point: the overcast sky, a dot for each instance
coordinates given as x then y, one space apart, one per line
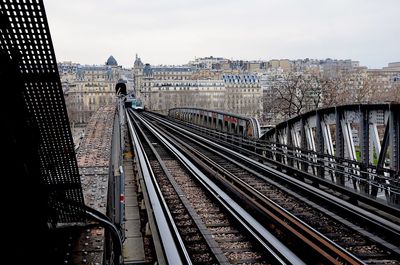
176 31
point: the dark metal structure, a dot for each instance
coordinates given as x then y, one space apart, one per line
26 45
39 164
47 203
352 145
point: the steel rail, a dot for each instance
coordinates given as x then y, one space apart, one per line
282 254
328 250
174 249
219 256
387 226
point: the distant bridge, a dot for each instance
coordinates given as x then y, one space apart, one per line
218 120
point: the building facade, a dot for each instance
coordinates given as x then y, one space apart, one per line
88 87
243 95
259 88
165 87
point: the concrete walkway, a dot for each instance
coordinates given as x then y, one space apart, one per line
133 250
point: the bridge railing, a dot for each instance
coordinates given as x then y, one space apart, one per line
371 180
359 142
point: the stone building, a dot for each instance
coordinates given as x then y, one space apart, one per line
392 67
165 87
283 64
214 63
384 84
87 87
243 95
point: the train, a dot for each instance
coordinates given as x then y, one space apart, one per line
134 103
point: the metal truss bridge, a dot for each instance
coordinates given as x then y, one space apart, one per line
354 146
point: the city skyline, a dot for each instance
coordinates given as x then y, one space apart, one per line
176 32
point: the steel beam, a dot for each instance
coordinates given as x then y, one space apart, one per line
289 143
319 145
385 143
303 143
339 142
296 145
376 144
363 133
328 145
394 121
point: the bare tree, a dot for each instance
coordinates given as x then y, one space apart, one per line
294 93
364 90
313 86
289 97
297 93
390 92
346 87
333 91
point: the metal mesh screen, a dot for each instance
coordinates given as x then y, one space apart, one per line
25 36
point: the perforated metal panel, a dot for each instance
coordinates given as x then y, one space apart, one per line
26 38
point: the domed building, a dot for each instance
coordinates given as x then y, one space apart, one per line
138 63
111 61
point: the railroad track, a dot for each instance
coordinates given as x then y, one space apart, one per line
211 228
354 238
